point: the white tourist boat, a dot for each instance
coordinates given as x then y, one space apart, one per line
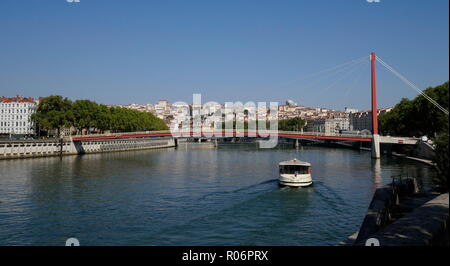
295 173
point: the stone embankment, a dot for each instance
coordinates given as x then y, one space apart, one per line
43 148
400 215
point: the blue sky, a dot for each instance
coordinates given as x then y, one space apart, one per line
140 51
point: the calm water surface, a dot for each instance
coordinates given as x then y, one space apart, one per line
188 196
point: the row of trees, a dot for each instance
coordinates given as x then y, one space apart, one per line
419 117
55 112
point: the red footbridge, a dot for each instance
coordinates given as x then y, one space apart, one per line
250 134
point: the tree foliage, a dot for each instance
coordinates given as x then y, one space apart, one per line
86 114
442 160
56 112
53 112
417 117
293 124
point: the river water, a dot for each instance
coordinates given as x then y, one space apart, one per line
191 196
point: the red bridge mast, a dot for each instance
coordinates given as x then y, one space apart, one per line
375 137
373 60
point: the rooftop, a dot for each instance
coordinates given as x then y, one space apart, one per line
295 162
16 99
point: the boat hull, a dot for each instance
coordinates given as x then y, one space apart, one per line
293 181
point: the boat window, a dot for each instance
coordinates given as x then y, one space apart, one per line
292 169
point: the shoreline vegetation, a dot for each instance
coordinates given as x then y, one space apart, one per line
55 112
419 117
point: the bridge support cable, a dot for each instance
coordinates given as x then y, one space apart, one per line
340 66
358 77
330 77
355 67
332 74
412 85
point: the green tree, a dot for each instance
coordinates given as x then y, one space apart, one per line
86 114
53 112
417 117
293 124
126 120
103 117
442 161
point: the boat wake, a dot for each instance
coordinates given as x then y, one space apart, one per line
247 188
330 196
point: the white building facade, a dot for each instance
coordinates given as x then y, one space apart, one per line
328 126
363 120
15 115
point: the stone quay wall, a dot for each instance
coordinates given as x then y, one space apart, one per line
43 148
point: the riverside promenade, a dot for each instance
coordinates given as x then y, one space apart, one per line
400 215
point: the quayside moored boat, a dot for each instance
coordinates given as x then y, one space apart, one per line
295 173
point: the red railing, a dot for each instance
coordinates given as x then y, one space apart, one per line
222 134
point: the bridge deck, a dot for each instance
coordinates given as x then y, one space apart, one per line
222 134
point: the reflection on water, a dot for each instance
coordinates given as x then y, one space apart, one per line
376 170
225 196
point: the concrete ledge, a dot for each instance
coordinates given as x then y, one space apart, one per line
52 148
425 226
382 207
425 161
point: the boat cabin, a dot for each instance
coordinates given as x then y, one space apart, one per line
295 167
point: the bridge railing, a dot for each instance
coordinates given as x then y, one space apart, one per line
321 134
118 134
223 133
